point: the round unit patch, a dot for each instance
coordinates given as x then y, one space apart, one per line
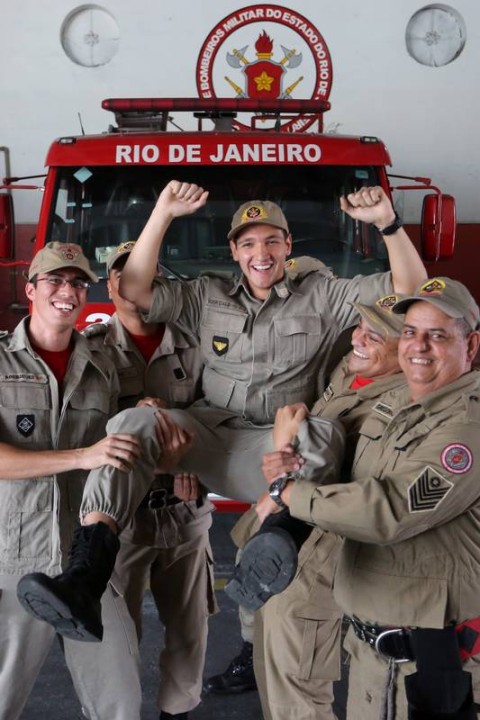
457 458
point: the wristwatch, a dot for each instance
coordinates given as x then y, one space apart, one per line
278 486
393 227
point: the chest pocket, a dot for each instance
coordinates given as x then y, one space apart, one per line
87 416
223 335
25 413
25 396
297 339
372 430
131 383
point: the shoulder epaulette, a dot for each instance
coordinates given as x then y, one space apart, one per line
95 329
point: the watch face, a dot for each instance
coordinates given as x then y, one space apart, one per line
275 490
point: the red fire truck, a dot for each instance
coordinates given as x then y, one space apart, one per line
100 189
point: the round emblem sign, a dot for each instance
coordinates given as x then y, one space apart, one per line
265 51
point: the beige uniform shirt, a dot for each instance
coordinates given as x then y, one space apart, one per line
38 515
259 356
174 375
351 407
411 516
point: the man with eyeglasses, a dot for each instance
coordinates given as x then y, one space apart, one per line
56 396
166 545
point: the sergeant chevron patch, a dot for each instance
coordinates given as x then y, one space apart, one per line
428 490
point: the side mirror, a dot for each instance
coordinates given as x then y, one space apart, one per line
6 226
438 227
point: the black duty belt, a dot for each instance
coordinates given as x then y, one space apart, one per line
395 642
158 499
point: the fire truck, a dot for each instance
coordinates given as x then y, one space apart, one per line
100 189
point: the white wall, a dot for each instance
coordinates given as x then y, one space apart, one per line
428 117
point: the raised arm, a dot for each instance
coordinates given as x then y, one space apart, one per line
372 205
176 199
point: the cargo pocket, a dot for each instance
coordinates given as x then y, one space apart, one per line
321 652
29 533
116 617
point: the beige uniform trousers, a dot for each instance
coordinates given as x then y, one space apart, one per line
295 668
181 581
227 459
112 695
367 679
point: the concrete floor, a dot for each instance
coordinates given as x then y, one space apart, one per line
53 697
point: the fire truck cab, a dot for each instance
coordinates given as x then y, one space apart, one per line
99 190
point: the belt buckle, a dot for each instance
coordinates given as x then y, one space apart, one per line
157 499
383 635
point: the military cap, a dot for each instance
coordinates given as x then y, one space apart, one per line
450 296
118 252
381 317
258 212
58 255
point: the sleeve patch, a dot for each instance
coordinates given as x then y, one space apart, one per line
428 490
457 458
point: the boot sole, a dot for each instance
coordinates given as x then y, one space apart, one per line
43 602
268 565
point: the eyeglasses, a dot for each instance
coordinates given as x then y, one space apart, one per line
58 281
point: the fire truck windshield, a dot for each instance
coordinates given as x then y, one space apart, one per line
100 207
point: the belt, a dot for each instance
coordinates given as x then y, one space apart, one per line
395 642
159 499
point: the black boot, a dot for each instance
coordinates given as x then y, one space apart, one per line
168 716
269 560
70 602
237 678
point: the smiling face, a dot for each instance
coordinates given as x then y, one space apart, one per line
374 355
434 349
261 251
55 307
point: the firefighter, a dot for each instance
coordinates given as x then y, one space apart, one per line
408 574
297 660
56 397
239 675
264 342
166 545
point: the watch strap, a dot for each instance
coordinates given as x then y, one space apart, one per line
393 227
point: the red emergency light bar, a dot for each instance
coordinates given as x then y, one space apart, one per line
225 105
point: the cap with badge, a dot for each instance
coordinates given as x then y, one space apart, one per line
450 296
56 255
118 252
381 317
258 212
